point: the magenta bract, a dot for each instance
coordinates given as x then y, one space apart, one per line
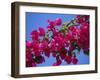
60 42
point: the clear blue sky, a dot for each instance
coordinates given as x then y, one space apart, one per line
36 20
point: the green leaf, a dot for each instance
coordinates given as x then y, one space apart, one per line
46 36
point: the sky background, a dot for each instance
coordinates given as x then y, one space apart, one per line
36 20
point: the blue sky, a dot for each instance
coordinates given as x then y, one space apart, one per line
36 20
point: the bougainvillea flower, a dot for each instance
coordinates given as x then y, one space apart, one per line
29 60
60 42
35 35
34 65
47 52
28 44
55 32
54 54
63 52
51 23
28 56
68 59
74 60
82 19
52 45
58 21
83 41
49 28
41 31
63 56
43 45
57 63
36 49
74 31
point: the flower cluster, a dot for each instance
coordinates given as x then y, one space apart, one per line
59 40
